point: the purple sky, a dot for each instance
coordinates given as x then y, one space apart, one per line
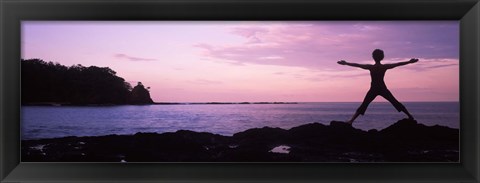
238 61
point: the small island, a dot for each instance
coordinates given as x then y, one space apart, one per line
48 83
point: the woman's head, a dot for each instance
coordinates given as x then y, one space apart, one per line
377 55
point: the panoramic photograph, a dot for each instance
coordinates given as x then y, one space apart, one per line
240 91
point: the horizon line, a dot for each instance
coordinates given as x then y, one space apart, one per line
297 102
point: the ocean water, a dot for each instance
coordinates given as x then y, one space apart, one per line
49 121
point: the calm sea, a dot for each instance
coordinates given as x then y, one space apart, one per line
49 121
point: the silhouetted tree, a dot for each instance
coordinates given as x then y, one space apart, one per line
51 82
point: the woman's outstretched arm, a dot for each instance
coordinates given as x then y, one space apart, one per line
391 66
363 66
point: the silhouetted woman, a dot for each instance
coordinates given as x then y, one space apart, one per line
378 87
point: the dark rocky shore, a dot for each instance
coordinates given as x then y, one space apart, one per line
404 141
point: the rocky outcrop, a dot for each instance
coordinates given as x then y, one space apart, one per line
140 95
404 141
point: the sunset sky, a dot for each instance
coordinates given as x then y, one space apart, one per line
237 61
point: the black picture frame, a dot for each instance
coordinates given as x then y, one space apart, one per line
12 12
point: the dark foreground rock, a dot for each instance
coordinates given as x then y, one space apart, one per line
404 141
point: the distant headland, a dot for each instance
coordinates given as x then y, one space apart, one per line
219 103
52 84
48 83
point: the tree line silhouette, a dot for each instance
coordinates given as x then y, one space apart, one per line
48 82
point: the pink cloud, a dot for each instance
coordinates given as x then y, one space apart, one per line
132 58
320 45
